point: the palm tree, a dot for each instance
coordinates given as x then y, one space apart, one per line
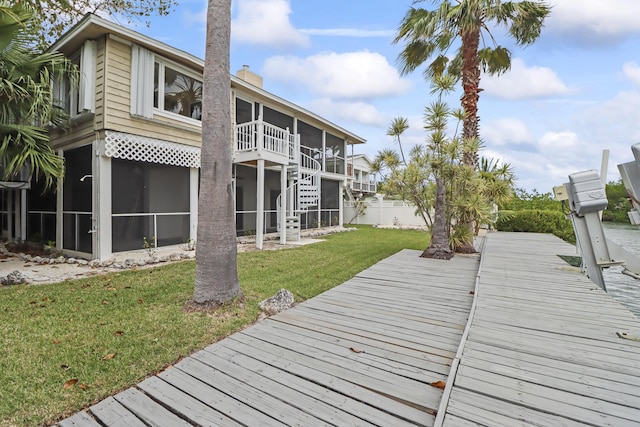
428 32
26 98
398 126
216 257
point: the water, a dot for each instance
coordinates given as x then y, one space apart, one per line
625 289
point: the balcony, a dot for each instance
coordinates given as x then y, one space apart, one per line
363 187
258 140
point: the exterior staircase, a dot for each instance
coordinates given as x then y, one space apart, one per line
303 194
257 140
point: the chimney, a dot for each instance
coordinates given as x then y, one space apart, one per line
249 76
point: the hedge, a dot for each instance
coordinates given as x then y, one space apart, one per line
537 221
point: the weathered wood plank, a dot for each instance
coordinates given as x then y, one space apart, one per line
400 388
149 411
246 393
338 384
80 419
372 348
320 402
545 370
112 414
490 411
177 390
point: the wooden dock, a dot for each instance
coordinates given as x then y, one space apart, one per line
363 353
520 338
542 348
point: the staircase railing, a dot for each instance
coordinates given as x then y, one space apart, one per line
305 191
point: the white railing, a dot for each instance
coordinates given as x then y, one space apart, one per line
364 187
305 191
259 135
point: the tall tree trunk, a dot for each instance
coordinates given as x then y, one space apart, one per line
470 97
439 246
471 89
216 257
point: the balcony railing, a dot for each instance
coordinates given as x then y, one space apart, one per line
261 136
363 187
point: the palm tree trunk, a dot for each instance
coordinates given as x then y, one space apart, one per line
471 89
439 246
216 257
470 97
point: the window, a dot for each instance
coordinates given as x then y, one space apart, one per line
177 92
76 98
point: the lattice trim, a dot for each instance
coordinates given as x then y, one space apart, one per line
133 147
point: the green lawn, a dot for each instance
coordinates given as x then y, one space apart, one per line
110 332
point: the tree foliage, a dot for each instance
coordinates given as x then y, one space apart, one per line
431 35
54 17
618 205
447 193
26 97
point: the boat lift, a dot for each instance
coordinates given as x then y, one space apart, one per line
586 196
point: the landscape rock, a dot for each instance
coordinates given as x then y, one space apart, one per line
277 303
14 278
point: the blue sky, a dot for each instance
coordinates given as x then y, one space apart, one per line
570 95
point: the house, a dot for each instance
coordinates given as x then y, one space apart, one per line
133 153
361 181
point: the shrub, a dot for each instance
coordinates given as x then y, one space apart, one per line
537 221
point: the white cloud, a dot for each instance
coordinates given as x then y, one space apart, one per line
353 75
631 70
524 82
359 112
266 22
595 20
507 131
347 32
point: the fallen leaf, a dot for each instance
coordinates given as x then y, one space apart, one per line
45 299
109 356
83 387
439 384
65 367
105 302
55 341
70 383
356 350
118 333
111 289
140 301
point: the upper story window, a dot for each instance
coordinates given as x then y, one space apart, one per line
79 97
177 91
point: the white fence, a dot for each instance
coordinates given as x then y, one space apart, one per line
385 212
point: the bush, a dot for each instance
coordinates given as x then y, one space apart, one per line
537 221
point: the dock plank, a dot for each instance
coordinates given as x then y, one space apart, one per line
110 412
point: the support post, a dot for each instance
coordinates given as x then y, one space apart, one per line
260 205
23 215
283 204
10 211
102 185
59 210
193 202
341 205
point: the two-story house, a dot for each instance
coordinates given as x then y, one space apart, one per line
133 152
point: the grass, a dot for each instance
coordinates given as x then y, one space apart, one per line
112 331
